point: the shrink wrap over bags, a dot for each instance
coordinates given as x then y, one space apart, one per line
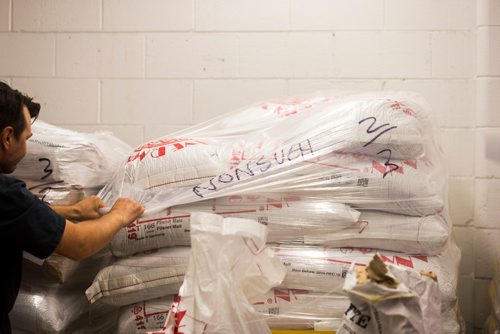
373 151
149 315
47 309
288 218
342 170
61 158
284 309
325 269
292 220
312 268
374 229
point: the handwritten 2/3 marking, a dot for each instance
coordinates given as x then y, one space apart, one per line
370 130
258 166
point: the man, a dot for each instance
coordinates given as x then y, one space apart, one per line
27 224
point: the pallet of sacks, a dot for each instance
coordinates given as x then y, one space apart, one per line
62 167
314 280
358 172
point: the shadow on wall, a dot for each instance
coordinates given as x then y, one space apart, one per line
492 147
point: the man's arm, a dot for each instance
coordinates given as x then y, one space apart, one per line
86 209
88 237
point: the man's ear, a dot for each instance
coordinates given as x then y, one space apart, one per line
6 137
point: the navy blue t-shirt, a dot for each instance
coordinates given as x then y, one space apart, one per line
26 224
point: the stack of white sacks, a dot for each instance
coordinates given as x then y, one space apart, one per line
335 177
62 167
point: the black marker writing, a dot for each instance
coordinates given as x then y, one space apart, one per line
260 166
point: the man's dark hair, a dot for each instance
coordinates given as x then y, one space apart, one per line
11 109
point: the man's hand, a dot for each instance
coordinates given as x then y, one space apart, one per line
89 236
88 208
127 210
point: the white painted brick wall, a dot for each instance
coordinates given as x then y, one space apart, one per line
143 102
100 55
485 243
63 99
429 14
150 15
192 55
466 299
487 199
488 102
487 152
488 48
27 54
71 15
460 204
452 54
481 303
4 15
242 15
337 15
465 237
383 54
286 55
458 146
488 13
146 68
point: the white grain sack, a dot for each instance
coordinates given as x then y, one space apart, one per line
324 269
140 277
414 235
60 156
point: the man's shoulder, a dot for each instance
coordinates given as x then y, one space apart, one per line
10 181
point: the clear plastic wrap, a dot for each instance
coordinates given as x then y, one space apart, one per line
62 158
288 218
317 155
373 151
311 268
342 170
283 309
47 309
324 269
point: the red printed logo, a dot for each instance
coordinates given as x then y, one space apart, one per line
403 261
159 148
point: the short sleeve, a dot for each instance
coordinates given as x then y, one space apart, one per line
26 221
